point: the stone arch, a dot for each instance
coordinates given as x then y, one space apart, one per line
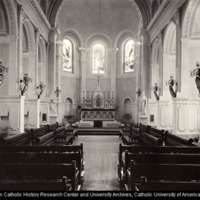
42 47
154 7
124 35
188 18
30 35
169 38
12 16
98 37
73 35
127 108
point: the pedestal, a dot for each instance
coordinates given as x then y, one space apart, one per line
165 114
32 113
12 115
53 119
143 119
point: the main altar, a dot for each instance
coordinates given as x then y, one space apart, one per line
98 107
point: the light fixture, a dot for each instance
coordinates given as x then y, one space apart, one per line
3 69
173 86
24 83
138 92
156 91
57 92
40 89
196 72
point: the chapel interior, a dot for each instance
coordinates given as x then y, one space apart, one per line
101 75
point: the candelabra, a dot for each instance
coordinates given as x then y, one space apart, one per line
3 69
139 92
24 83
57 92
40 88
172 83
156 90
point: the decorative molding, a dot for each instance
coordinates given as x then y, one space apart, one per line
159 14
168 37
37 9
155 51
30 34
42 49
11 17
137 10
188 17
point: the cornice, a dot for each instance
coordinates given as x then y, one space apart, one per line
35 6
161 12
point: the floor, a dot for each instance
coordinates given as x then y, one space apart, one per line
101 156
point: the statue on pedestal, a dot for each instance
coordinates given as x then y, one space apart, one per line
196 72
143 104
52 105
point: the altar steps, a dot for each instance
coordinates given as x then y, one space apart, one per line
98 131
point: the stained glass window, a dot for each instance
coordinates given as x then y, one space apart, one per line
129 58
98 59
67 55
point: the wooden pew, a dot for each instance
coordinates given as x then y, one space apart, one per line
35 148
35 185
135 136
174 140
52 127
151 140
45 139
18 139
166 172
65 135
153 149
38 157
146 185
155 158
38 132
39 171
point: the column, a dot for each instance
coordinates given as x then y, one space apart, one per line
21 16
58 79
178 48
52 61
145 63
113 72
83 72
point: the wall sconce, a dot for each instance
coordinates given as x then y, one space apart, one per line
41 89
57 92
156 91
24 83
3 69
172 83
196 72
139 92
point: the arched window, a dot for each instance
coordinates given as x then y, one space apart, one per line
129 58
67 56
98 59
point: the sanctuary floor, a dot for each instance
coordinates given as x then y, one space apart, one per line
101 156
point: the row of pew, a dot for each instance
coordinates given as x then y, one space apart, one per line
150 136
159 168
41 168
45 135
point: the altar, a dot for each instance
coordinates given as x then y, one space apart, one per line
98 108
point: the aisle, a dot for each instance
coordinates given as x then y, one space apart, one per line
100 155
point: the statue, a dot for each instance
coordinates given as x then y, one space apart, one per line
52 106
172 82
196 72
143 104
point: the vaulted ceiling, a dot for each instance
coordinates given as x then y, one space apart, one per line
147 8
